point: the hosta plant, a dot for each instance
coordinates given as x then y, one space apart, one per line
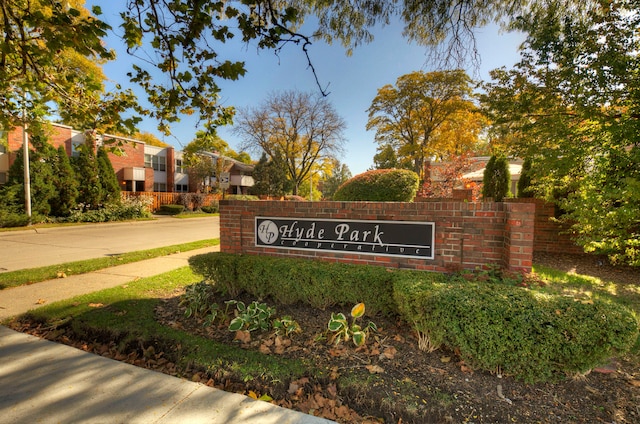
343 331
254 316
286 326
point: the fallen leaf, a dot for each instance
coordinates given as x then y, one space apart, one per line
243 336
264 349
445 359
336 352
375 369
96 305
265 398
390 352
293 387
61 274
465 368
332 390
40 301
635 383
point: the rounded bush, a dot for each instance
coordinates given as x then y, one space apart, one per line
171 209
533 336
381 185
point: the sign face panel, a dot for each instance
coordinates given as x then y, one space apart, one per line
383 238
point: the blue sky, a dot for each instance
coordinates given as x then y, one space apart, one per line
352 81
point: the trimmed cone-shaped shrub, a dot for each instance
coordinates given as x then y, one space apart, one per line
380 185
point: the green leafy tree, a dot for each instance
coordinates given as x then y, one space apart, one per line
66 184
270 177
50 59
385 158
108 179
41 162
339 175
302 128
416 116
572 104
496 178
199 160
525 189
86 168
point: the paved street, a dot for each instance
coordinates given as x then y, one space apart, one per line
48 246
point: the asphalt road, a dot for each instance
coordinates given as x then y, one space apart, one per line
49 246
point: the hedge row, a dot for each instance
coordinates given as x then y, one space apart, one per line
320 284
494 327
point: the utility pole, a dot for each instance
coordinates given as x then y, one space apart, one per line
27 178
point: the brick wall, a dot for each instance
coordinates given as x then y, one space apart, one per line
58 135
550 236
467 235
131 155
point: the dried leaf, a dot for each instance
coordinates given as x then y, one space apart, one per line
445 359
390 352
243 336
465 368
96 305
375 369
40 301
264 349
293 387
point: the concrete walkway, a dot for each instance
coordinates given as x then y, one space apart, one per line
46 382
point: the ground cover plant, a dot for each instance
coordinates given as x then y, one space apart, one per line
387 379
35 275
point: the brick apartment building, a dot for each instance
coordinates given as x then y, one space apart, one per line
138 166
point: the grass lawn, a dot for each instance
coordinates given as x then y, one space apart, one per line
126 313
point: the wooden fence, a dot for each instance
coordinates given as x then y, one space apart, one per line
160 198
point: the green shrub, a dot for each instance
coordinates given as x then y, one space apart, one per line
218 267
133 208
496 180
209 209
171 209
13 219
520 332
381 185
291 280
495 327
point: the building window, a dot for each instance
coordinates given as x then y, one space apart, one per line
158 163
182 188
162 187
3 178
179 166
3 148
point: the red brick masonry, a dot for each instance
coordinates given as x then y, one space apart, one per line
467 235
